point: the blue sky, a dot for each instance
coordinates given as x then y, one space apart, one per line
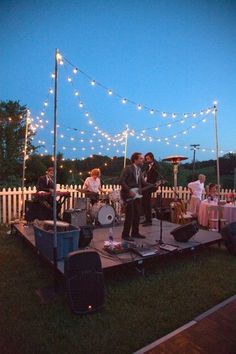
172 56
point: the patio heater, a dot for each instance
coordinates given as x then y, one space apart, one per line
175 160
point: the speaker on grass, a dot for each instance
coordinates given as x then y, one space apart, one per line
84 281
185 232
86 235
228 234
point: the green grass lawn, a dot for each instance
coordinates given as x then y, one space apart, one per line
137 310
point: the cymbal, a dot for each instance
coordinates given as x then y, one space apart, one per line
82 190
175 159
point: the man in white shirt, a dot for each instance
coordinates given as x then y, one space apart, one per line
196 190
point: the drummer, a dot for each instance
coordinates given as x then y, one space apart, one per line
92 185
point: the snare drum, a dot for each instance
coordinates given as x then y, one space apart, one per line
103 213
114 196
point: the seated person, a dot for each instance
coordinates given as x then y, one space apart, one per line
45 183
212 191
92 185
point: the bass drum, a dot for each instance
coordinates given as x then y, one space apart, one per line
103 213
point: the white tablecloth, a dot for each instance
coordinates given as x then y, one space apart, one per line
229 212
203 213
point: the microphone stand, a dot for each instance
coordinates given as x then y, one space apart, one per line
160 241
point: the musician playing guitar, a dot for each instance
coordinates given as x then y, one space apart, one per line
131 177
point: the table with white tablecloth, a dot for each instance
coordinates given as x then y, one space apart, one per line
229 212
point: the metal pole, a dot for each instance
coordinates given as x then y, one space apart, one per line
175 172
126 144
217 147
195 147
57 56
24 163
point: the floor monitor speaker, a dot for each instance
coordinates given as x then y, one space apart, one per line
185 232
84 281
229 237
86 235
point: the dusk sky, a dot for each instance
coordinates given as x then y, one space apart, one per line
171 57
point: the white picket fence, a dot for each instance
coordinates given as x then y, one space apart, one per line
11 200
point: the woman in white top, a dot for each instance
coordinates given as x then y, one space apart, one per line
196 190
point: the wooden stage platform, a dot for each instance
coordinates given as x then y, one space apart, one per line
152 233
212 332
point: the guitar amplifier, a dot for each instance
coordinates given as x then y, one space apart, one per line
34 210
75 217
81 203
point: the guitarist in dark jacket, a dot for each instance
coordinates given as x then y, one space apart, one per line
151 175
131 177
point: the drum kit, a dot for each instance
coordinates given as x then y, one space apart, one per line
104 211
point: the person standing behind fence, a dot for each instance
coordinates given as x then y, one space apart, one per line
196 190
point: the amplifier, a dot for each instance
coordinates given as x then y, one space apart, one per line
35 210
75 217
81 203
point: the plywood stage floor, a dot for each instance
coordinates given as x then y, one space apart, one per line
152 234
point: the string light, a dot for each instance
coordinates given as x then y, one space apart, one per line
93 82
139 106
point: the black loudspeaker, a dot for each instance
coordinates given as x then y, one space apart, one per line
86 235
34 210
185 232
228 234
84 281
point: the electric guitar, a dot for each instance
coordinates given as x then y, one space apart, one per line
136 190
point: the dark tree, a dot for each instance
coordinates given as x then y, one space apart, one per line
12 136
